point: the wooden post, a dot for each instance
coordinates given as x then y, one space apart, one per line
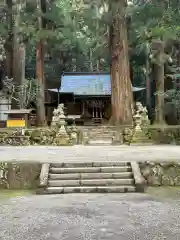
26 120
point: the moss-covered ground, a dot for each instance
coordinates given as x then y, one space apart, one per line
6 194
164 192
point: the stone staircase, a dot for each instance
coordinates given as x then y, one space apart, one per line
99 134
106 177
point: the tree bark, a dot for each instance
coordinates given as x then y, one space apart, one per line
41 118
22 63
19 54
91 60
121 93
159 81
19 64
148 88
9 41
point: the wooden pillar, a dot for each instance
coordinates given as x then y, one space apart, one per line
83 108
26 120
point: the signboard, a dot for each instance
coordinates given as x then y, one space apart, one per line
15 123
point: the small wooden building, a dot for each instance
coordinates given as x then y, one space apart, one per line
86 95
19 118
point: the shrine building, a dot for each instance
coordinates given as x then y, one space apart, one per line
86 96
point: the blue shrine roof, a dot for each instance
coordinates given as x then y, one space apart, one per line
87 84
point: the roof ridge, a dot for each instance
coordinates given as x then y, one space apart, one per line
84 73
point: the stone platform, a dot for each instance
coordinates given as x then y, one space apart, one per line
80 153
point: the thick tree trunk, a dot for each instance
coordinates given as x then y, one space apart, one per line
148 88
22 63
19 64
159 97
121 96
18 54
41 117
159 80
9 41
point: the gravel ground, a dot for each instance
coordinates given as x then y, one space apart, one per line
90 153
90 217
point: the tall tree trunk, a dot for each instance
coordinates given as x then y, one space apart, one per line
19 64
148 87
121 96
9 41
18 54
22 63
159 80
41 118
97 65
91 60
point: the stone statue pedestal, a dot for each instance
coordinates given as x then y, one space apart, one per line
139 136
61 140
62 137
74 134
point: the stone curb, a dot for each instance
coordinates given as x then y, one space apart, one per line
138 178
44 175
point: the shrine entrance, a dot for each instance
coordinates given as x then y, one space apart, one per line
95 110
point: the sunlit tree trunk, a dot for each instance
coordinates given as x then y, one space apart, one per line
121 96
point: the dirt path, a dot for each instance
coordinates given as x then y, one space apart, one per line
90 153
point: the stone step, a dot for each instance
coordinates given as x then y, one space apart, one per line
71 176
90 182
101 138
90 164
101 134
91 169
100 142
90 189
98 133
99 127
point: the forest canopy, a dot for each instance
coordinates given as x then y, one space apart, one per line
137 41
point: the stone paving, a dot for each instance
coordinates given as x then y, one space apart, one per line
89 217
81 153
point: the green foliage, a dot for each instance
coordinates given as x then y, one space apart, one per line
172 96
153 20
27 93
76 35
23 94
164 135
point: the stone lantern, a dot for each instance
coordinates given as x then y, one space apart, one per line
59 121
137 122
62 122
139 137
